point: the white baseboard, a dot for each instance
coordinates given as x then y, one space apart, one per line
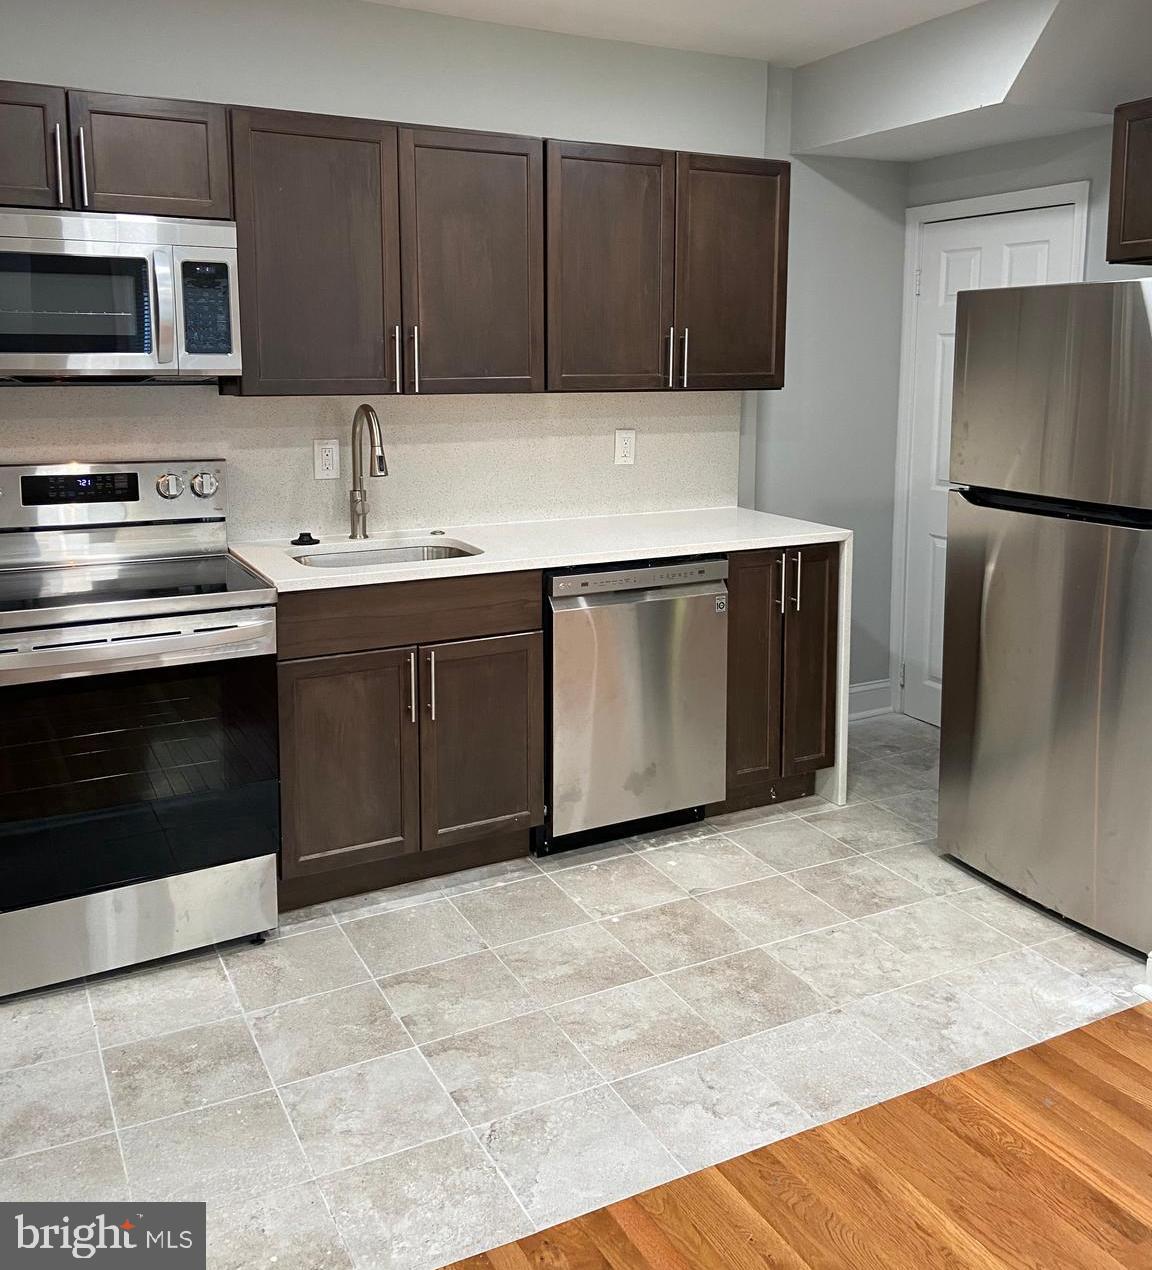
865 700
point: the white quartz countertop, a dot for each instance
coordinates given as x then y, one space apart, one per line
539 544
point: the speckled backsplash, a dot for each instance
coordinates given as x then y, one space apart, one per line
452 460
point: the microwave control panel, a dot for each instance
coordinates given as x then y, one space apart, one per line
207 321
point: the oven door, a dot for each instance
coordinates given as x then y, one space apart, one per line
74 307
112 783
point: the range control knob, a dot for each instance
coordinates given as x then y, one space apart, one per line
205 484
170 485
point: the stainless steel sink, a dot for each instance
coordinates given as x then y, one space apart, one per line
401 553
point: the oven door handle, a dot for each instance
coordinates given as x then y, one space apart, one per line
71 658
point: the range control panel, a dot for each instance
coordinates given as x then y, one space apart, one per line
639 577
73 495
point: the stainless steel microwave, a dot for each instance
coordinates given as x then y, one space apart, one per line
87 294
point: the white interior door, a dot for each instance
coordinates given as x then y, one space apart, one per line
1007 249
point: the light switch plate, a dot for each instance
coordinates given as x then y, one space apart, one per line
326 460
625 446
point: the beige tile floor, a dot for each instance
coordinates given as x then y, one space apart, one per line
404 1078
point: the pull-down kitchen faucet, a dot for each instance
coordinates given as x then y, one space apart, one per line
357 496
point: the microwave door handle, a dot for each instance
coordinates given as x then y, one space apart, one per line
165 308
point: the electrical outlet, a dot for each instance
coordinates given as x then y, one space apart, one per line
326 460
625 446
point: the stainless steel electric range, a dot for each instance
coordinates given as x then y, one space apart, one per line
139 790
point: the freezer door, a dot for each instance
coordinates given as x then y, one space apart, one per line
639 704
1053 392
1046 732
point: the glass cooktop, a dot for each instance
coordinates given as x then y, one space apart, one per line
127 589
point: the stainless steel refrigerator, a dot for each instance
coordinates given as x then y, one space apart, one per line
1046 727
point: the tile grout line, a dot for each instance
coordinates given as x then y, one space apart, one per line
311 1171
404 1028
456 1106
88 1137
354 915
108 1094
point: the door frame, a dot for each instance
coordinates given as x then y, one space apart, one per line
1074 193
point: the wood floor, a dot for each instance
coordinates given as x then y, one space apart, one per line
1042 1159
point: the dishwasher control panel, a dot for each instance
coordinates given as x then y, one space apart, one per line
639 577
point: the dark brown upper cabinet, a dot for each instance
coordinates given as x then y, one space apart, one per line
481 738
34 169
1130 196
349 760
782 649
472 250
150 155
317 226
611 266
731 271
811 615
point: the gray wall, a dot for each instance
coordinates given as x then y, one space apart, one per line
826 445
1077 156
350 57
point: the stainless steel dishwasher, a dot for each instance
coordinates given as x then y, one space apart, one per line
639 692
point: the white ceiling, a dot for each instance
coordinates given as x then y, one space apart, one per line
785 32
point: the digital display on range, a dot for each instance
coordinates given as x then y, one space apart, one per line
98 487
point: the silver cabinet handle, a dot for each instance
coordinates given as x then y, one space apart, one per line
416 364
412 686
671 357
799 575
83 171
432 682
59 166
399 361
783 580
684 368
165 307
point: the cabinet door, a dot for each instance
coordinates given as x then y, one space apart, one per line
34 146
1130 197
755 644
318 234
150 155
349 760
611 266
481 738
731 271
811 613
472 243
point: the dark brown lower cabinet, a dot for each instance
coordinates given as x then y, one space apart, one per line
755 648
811 614
349 760
782 646
481 738
384 753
